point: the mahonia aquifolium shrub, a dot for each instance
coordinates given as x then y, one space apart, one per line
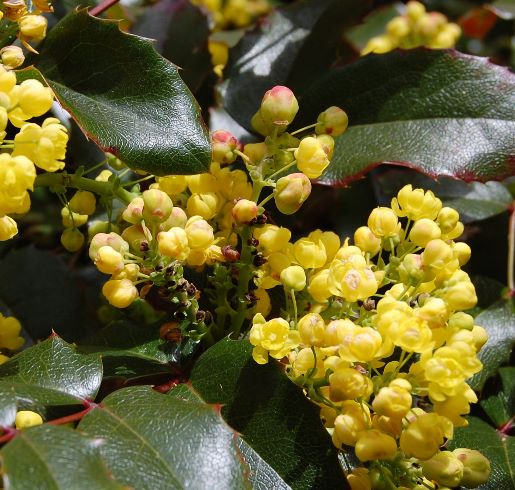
414 29
373 331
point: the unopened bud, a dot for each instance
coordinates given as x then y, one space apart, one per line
312 329
444 468
279 106
72 239
83 202
332 121
26 418
255 151
311 157
134 236
291 192
157 206
12 56
244 211
293 277
223 144
476 468
120 293
33 27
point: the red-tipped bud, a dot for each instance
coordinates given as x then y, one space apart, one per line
223 144
279 106
157 206
333 121
244 211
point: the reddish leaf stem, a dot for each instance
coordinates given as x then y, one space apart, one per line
506 428
74 416
102 7
511 252
9 433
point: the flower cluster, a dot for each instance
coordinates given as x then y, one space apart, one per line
10 339
32 27
375 333
33 146
234 13
415 28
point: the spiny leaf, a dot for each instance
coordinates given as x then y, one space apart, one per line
133 103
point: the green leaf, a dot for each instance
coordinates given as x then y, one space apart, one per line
505 9
54 458
8 31
7 408
439 111
474 201
262 475
292 46
498 320
272 414
50 374
500 404
497 447
181 32
154 441
133 103
42 293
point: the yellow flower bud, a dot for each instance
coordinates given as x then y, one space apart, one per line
480 336
107 239
201 183
447 219
359 480
108 260
348 384
129 271
476 468
33 98
291 192
332 121
398 27
311 157
383 222
392 401
104 176
351 283
177 218
312 329
72 220
83 202
199 232
416 204
437 254
244 211
462 252
26 418
415 10
366 240
12 56
7 81
33 27
223 144
172 184
204 205
318 286
10 329
72 239
174 243
293 277
461 320
272 238
263 304
309 254
327 143
373 444
278 107
347 426
255 151
379 45
458 292
133 213
8 228
120 293
444 468
157 206
424 230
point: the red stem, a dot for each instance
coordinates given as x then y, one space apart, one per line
102 7
9 434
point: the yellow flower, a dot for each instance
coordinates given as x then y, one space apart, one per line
120 292
309 254
10 329
272 238
416 204
17 174
351 279
383 223
348 384
108 260
174 243
392 401
205 205
200 233
354 419
45 145
373 444
311 157
8 228
312 329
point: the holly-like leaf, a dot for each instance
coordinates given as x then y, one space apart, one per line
439 111
262 475
474 201
498 320
499 402
55 458
499 448
181 31
292 46
133 103
42 293
272 414
154 441
50 374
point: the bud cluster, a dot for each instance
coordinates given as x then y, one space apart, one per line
415 28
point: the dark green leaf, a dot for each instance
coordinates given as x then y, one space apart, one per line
262 475
42 293
272 414
55 458
474 201
292 46
51 373
7 408
8 31
133 103
181 32
497 447
500 405
439 111
153 441
498 320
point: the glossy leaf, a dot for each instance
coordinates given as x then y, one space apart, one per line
50 374
419 108
498 320
499 402
151 440
8 31
292 46
55 458
496 446
42 293
133 104
181 32
7 408
474 201
262 476
272 414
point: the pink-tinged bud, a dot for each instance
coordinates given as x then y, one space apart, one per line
133 213
223 144
157 206
244 211
279 106
135 236
332 121
291 192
